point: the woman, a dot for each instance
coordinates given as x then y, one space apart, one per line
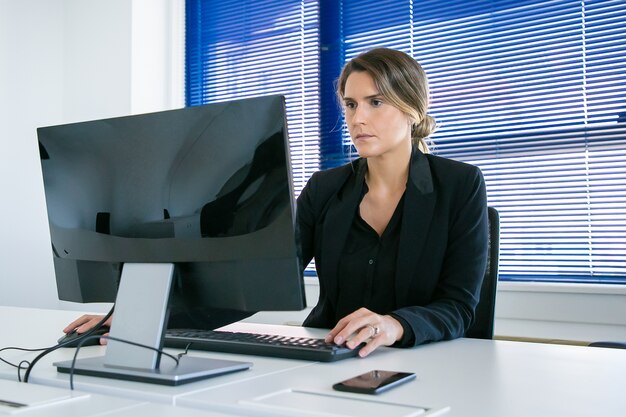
399 236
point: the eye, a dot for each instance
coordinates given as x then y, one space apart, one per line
350 105
376 102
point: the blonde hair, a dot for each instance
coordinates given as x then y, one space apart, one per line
401 80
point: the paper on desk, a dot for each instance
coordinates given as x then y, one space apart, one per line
16 397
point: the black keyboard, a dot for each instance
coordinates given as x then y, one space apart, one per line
303 348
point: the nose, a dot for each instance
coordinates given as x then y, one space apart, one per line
359 116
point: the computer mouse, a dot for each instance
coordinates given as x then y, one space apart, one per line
73 338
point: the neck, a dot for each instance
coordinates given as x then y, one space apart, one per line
388 173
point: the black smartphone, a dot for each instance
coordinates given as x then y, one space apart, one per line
374 382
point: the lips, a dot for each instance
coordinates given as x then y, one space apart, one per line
362 136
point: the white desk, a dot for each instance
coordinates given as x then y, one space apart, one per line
480 378
46 401
34 328
474 377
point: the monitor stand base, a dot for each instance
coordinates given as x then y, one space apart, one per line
136 337
189 369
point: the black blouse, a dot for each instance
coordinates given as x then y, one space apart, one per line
367 268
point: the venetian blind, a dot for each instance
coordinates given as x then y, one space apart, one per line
533 93
243 48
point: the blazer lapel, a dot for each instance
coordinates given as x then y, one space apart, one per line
419 203
336 226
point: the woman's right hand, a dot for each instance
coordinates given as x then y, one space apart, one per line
85 323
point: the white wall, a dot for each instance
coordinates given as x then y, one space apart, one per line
583 312
96 59
63 61
31 88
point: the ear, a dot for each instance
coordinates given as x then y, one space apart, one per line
413 121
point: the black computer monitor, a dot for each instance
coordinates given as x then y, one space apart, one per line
204 189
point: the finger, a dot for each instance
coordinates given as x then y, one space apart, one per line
89 325
358 329
341 333
371 346
332 335
390 330
73 325
104 340
361 336
333 332
341 324
77 323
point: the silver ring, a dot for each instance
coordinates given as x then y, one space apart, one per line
375 330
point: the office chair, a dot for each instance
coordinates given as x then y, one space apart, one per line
482 326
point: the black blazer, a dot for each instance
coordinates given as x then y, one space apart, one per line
443 242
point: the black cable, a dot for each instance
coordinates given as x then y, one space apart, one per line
80 344
8 363
19 370
88 333
20 349
19 366
180 355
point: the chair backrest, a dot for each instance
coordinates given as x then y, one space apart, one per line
482 326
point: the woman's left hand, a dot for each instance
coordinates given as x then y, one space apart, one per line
366 326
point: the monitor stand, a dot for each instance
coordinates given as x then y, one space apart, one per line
140 317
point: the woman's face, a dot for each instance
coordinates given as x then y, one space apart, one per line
376 127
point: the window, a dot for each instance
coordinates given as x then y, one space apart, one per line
242 48
533 92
